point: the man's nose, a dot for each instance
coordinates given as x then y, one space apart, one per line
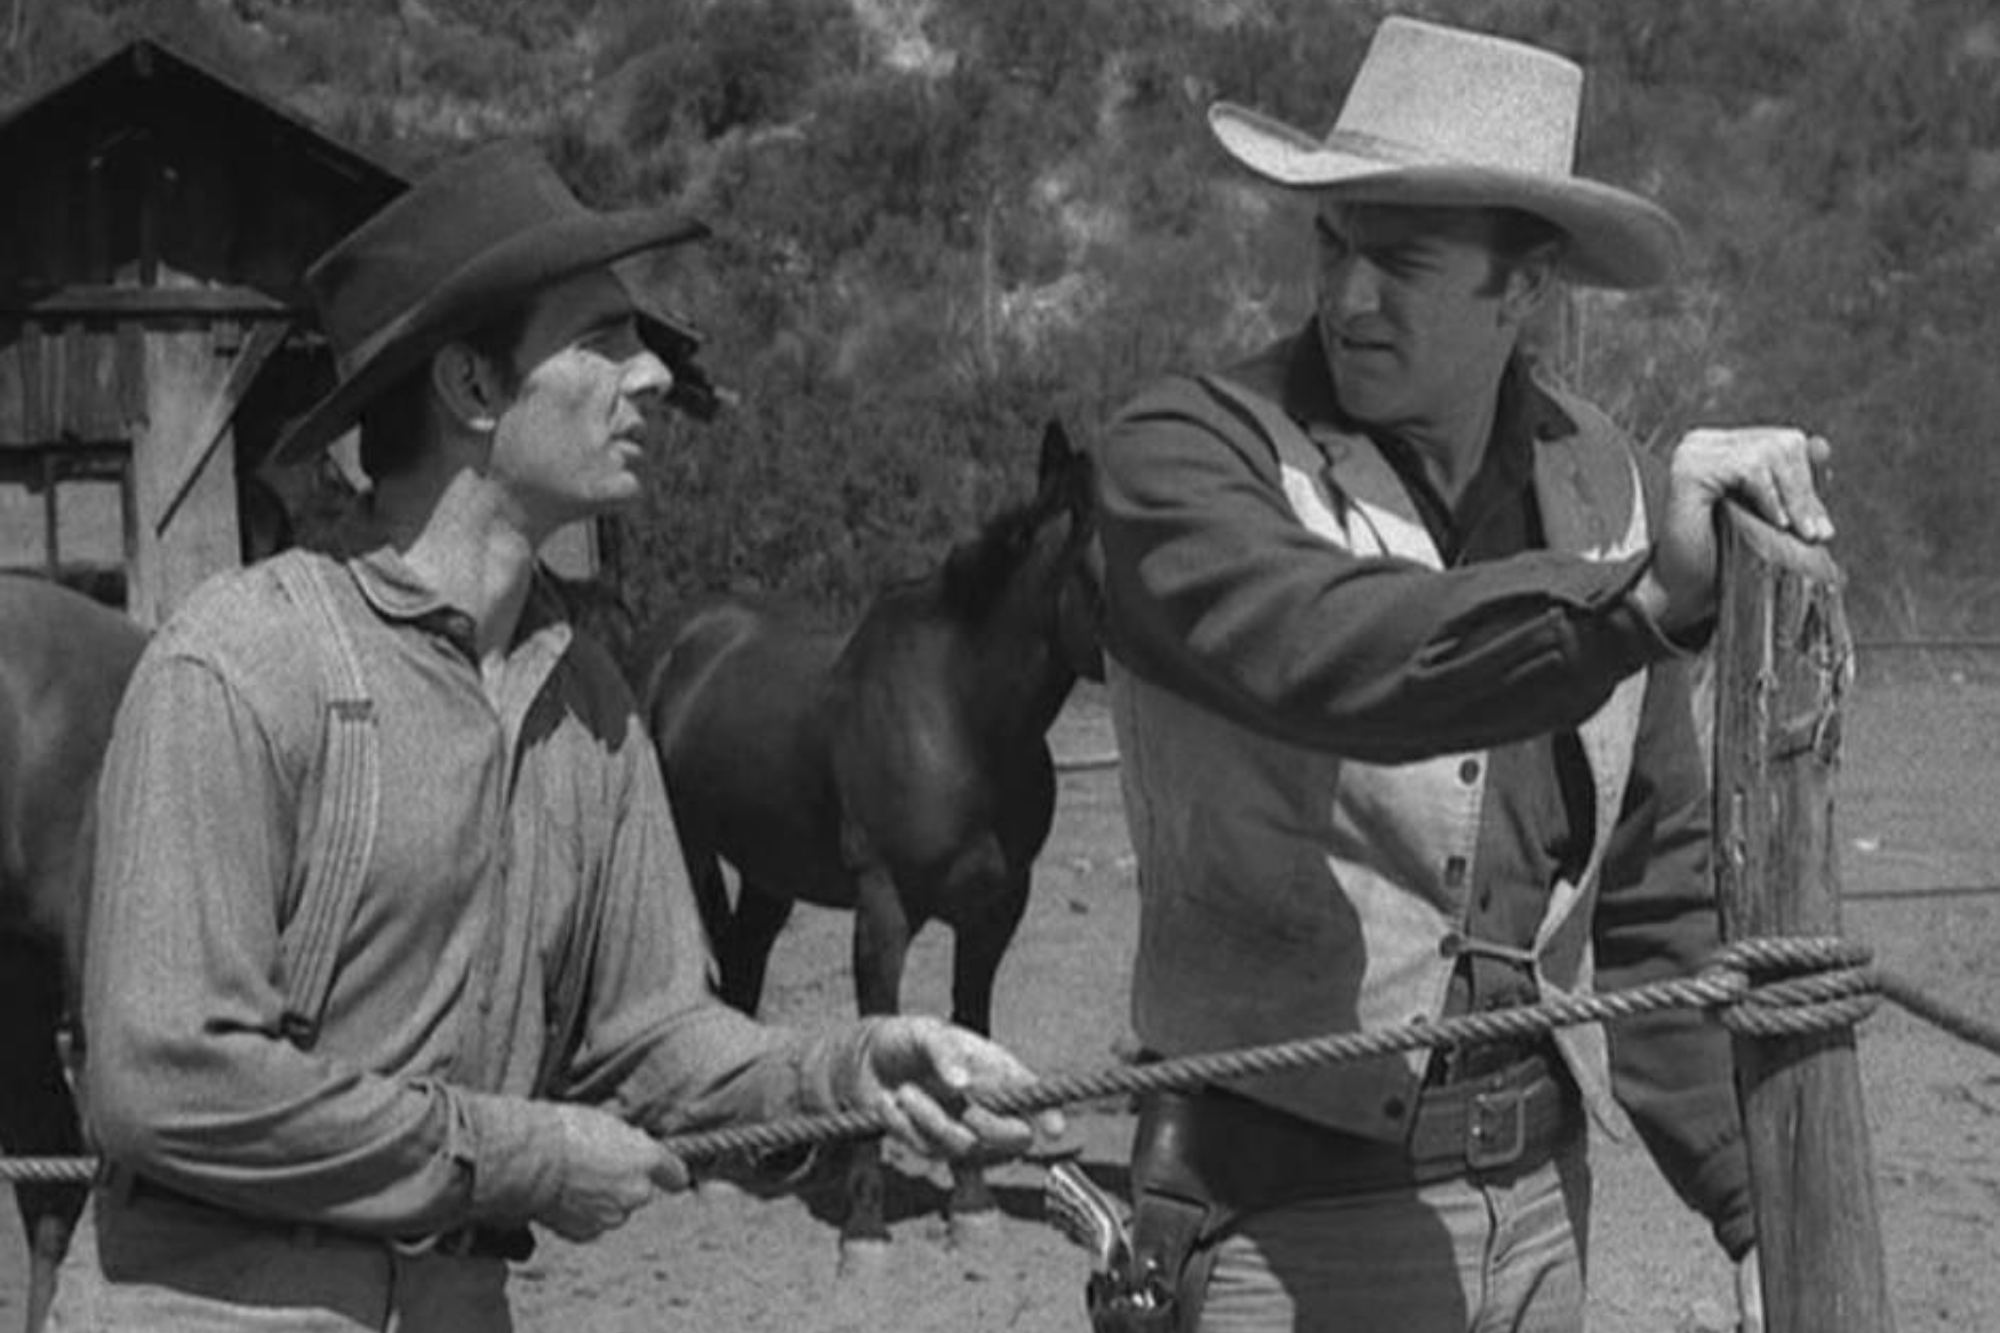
648 381
1353 288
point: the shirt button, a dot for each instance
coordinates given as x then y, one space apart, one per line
1394 1108
1454 871
1468 772
1451 945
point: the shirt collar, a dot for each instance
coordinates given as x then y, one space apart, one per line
398 593
1294 371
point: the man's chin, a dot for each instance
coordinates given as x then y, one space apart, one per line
1364 405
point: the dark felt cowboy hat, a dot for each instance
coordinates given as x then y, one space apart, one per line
1444 117
459 247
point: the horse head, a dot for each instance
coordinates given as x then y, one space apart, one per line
1067 479
1023 587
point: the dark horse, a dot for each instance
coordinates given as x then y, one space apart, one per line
901 771
64 662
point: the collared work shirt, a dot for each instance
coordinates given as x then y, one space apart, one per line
507 801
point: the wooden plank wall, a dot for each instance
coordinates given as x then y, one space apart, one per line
69 378
185 376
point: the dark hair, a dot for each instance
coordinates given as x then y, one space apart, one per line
396 425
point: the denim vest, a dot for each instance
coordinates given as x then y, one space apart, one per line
1287 892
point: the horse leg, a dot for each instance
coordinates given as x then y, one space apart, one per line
37 1114
753 930
977 948
881 943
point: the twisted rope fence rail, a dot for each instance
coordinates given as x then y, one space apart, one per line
1772 987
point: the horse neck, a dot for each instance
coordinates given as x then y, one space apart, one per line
1018 681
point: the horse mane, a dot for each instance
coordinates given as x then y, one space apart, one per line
976 570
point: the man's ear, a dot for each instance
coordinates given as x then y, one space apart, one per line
1530 280
469 387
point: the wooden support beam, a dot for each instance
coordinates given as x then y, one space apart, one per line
112 302
215 419
1783 660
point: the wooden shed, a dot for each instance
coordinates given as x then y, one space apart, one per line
155 224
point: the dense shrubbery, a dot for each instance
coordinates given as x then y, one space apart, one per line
937 233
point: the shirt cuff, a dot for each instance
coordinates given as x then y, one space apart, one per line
1723 1186
514 1148
1617 630
1689 642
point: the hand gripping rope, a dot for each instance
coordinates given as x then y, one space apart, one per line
1774 987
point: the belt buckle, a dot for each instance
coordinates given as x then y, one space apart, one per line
1496 1129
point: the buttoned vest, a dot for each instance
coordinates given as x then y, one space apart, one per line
1288 892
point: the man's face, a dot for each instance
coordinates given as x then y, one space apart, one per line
566 443
1416 325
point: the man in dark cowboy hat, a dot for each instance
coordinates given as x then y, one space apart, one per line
1399 677
391 954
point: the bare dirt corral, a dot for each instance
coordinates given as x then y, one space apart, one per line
1913 814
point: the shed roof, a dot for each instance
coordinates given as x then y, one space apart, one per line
148 162
134 83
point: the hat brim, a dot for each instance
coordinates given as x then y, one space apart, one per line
507 273
1617 238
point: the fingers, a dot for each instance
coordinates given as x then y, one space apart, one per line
669 1174
1773 468
610 1171
579 1220
1787 492
931 1076
959 1132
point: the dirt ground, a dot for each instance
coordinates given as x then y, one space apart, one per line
1913 816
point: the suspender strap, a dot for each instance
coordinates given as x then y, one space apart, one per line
344 833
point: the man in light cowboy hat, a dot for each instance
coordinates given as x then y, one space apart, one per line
391 954
1399 679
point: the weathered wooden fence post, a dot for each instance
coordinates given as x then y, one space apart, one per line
1782 661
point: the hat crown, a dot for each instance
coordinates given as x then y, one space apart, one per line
1438 94
449 219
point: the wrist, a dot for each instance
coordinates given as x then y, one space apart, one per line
1649 598
1678 612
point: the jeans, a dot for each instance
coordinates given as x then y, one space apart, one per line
161 1267
1460 1256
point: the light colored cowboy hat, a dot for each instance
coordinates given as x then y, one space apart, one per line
1443 117
462 245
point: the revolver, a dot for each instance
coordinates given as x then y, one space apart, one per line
1121 1295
